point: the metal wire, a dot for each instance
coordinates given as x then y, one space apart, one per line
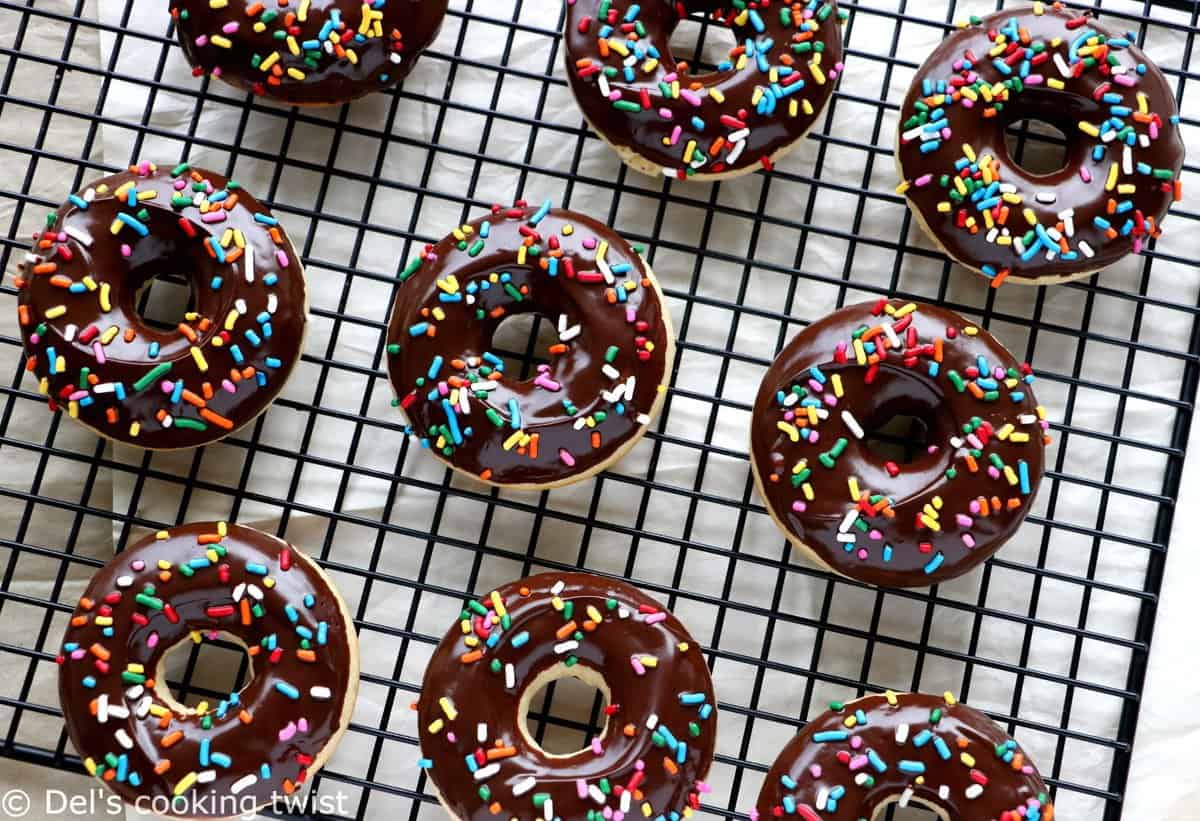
752 710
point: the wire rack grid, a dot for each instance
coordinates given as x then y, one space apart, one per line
1051 637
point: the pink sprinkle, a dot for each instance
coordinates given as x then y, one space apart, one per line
630 315
180 184
665 113
152 640
581 787
98 352
1034 80
228 386
589 243
876 535
863 554
78 654
137 564
676 133
815 770
76 396
856 741
282 259
34 338
974 506
214 216
230 28
202 40
1124 80
566 457
923 180
287 732
637 665
1085 174
670 78
126 251
614 95
597 747
451 737
964 520
993 472
655 618
303 725
813 436
167 386
799 506
969 541
691 96
858 762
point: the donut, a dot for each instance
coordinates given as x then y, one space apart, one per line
230 756
861 513
302 52
663 118
93 353
861 757
1051 64
582 410
659 732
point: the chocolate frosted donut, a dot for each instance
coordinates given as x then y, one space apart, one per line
97 357
962 492
1047 63
222 759
304 52
660 722
608 371
663 118
861 757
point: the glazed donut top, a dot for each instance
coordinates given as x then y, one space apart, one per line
96 356
194 582
864 515
608 368
660 724
307 52
1125 150
910 748
763 97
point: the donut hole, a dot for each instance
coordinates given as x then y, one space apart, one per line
164 300
190 672
916 810
1037 146
523 341
562 710
902 438
702 44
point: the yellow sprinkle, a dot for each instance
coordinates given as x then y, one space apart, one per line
221 41
1089 129
297 74
201 362
967 759
60 364
891 698
968 152
852 483
950 698
860 352
716 94
271 60
789 429
809 493
594 614
511 442
436 725
73 409
1010 474
302 15
222 529
448 708
837 385
56 311
185 783
1113 171
105 297
498 603
135 429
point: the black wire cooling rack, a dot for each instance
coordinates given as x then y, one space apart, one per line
1051 637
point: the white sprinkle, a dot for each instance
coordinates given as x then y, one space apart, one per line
102 708
123 739
847 538
565 646
1127 161
548 809
239 591
124 581
557 588
510 676
206 777
861 779
906 797
321 693
943 792
652 721
484 773
248 265
69 332
1047 197
135 692
255 592
79 235
1087 249
143 707
626 801
524 786
611 372
570 333
272 303
852 423
822 799
902 734
240 305
242 783
848 520
738 148
643 419
481 733
974 791
116 711
738 136
1063 68
597 795
606 272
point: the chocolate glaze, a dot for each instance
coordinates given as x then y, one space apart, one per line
957 748
145 632
1081 100
615 623
901 383
565 283
386 45
772 126
220 392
